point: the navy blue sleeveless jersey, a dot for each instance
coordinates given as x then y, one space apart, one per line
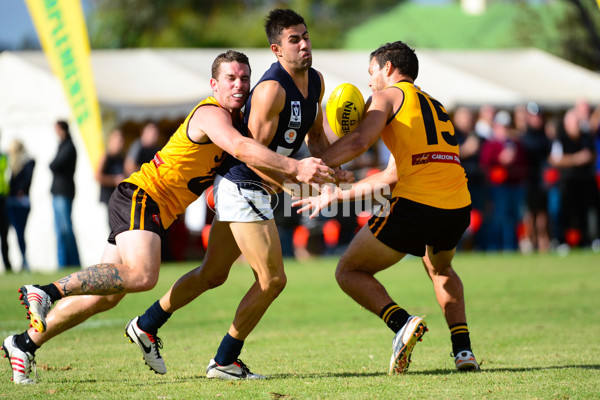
295 120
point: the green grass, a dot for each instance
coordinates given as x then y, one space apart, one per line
534 321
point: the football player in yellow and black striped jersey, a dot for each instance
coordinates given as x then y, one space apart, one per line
144 205
429 210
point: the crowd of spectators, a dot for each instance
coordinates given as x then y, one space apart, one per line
534 178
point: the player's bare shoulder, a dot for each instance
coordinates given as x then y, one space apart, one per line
390 98
203 119
270 95
322 85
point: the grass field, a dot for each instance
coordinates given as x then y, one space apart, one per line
534 321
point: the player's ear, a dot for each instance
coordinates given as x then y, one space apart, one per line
213 84
389 68
276 49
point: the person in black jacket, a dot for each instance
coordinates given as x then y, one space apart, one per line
143 149
63 193
110 171
537 148
579 193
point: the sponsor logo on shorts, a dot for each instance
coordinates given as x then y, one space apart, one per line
156 219
435 156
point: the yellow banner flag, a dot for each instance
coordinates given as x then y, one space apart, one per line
61 28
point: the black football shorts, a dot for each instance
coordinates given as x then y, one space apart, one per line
131 208
407 226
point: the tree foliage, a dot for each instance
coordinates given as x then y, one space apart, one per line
567 28
570 29
225 23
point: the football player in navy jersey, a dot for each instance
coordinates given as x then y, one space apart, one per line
284 109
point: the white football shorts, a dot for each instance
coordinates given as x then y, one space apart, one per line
235 204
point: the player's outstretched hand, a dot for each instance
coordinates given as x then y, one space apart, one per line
329 194
343 176
314 171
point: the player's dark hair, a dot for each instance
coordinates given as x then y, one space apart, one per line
278 20
400 55
228 56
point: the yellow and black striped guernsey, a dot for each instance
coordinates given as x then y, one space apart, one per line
180 171
427 163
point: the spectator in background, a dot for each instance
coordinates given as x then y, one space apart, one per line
520 117
110 171
595 121
551 178
469 148
537 149
143 149
583 111
579 192
63 193
3 215
595 124
17 202
485 120
503 161
286 224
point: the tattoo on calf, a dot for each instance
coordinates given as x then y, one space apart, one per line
62 283
101 279
98 279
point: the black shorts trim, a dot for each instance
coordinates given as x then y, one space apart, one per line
376 223
253 206
408 227
131 208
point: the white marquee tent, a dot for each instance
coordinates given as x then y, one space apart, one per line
154 84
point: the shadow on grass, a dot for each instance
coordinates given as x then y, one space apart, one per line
319 375
517 369
428 372
325 375
183 379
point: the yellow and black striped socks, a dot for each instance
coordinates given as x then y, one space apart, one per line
394 316
459 335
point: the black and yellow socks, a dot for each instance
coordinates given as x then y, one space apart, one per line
394 316
459 334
